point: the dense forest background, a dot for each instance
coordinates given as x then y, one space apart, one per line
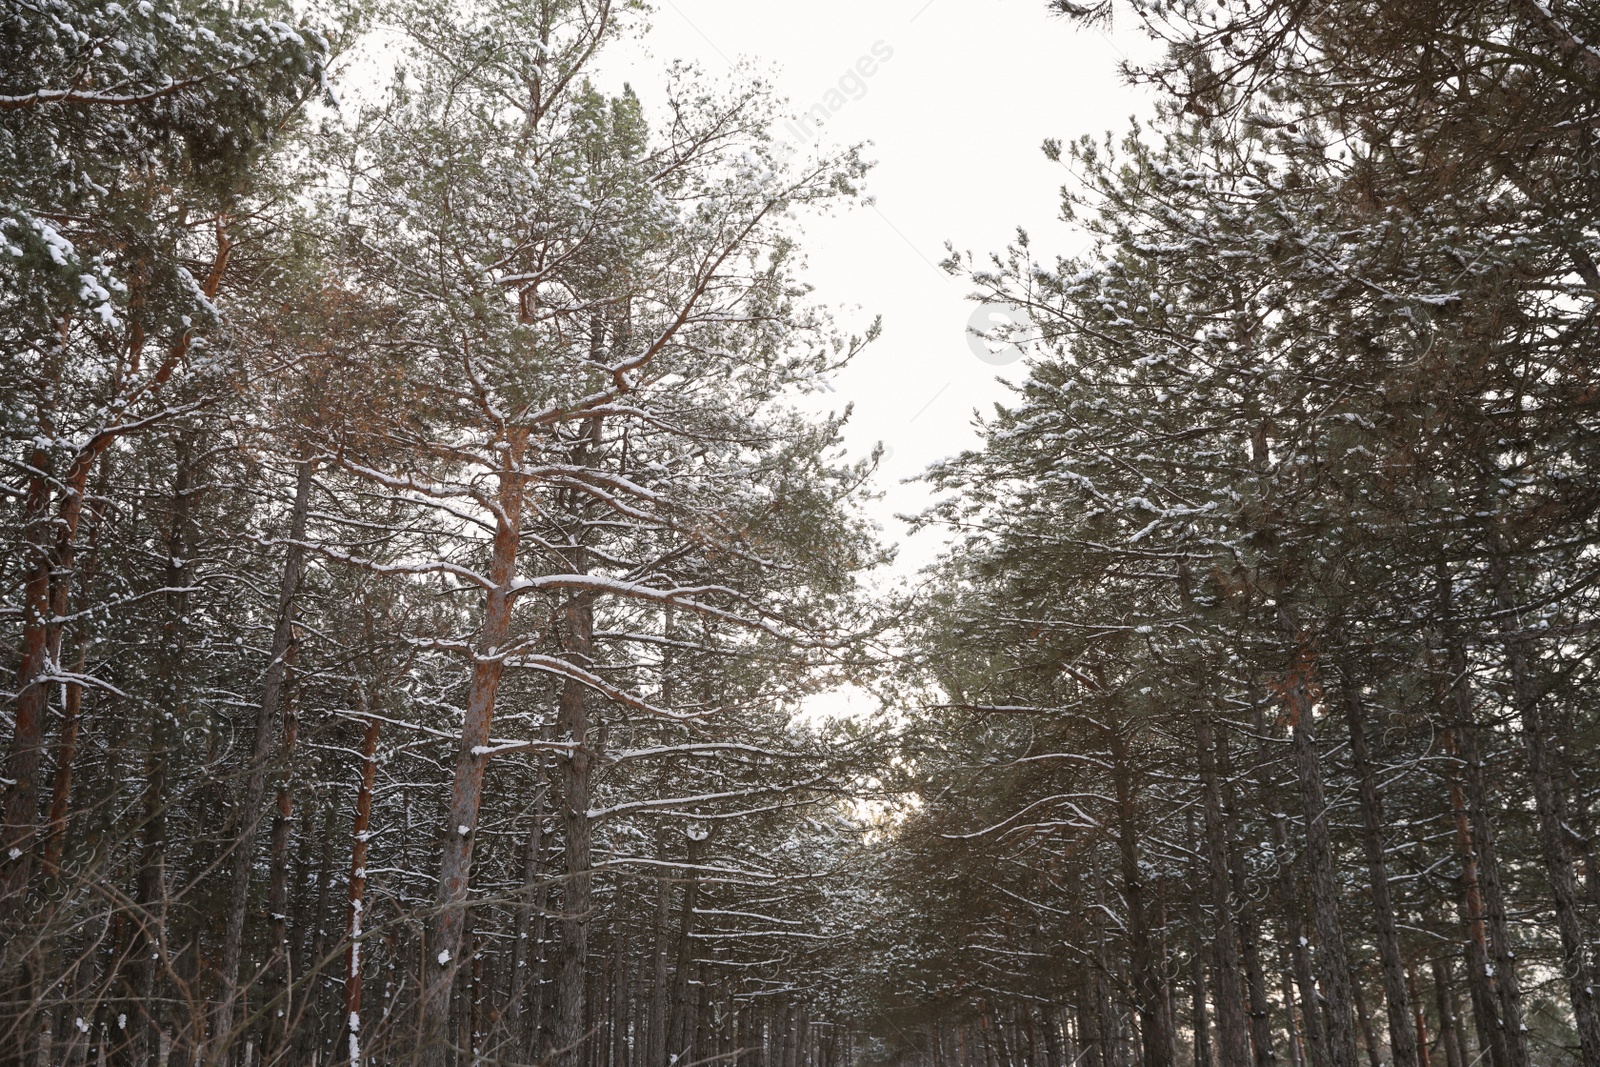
417 556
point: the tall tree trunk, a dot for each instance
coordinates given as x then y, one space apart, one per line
1364 1017
1417 1016
278 905
1480 983
1450 1037
147 952
27 736
1248 921
1233 1034
534 1031
66 755
524 948
1147 981
1402 1042
1507 1035
466 791
679 1035
44 962
354 926
250 809
1550 804
1507 979
320 929
1199 1020
1297 1051
572 725
47 588
657 1048
1052 1035
1314 1033
620 1013
1333 964
1094 1014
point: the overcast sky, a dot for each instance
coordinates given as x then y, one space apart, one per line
954 116
954 119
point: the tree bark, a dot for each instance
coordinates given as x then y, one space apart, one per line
47 589
250 810
1550 804
1249 923
1333 965
66 755
443 951
679 1037
1500 1015
572 726
1233 1034
1314 1034
1418 1018
354 928
1199 1021
1402 1041
1364 1017
523 950
27 736
1480 983
278 879
1297 1053
656 1051
147 945
1147 982
1455 1052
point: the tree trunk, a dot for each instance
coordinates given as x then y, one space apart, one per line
1450 1037
656 1051
1147 982
1093 998
1248 920
1199 1023
47 589
250 810
1402 1042
1550 803
524 949
278 883
66 755
1297 1052
443 951
1314 1034
619 1013
1480 984
1364 1017
152 889
1507 980
1421 1021
358 888
1501 1016
679 1035
27 736
572 726
1333 964
1052 1035
1233 1034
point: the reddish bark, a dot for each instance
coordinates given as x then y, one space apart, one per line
47 590
444 943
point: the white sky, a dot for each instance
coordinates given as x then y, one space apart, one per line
954 119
